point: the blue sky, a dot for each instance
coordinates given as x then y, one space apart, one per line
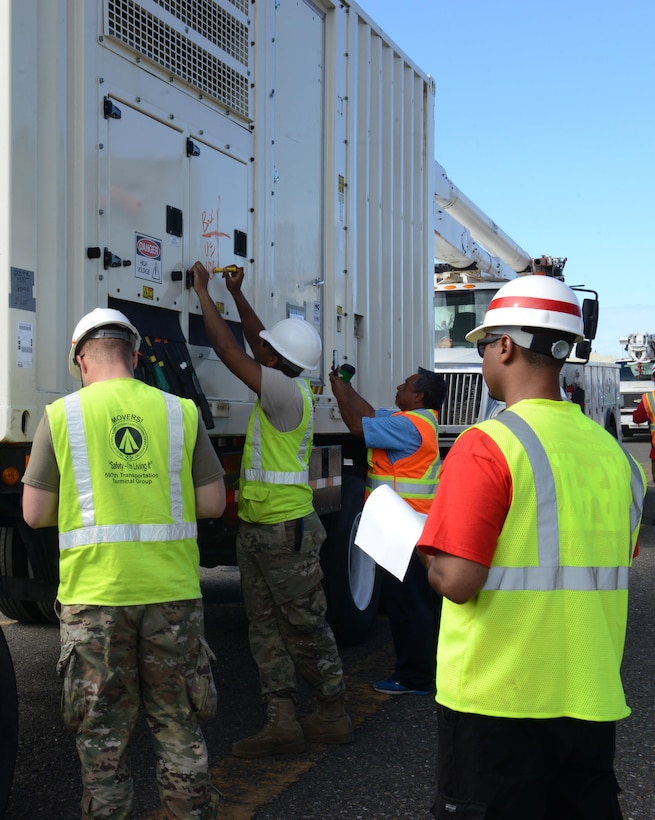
545 118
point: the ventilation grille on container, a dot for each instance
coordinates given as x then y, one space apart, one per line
170 48
462 404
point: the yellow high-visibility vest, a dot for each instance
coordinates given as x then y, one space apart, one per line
544 637
127 517
274 483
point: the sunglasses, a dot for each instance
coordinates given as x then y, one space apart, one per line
482 344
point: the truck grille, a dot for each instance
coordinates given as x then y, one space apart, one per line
631 400
462 404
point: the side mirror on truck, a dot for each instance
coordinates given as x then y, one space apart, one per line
590 317
583 350
589 322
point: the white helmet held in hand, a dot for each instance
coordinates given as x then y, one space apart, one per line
297 341
534 301
101 323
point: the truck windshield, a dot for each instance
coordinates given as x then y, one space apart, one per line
636 371
456 312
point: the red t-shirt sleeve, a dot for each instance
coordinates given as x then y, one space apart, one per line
640 415
472 500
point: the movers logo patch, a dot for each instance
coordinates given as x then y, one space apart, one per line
128 440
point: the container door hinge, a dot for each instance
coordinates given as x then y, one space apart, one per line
111 110
110 260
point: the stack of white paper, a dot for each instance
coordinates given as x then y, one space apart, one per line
388 530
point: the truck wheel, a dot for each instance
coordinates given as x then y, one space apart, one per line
8 723
15 564
352 579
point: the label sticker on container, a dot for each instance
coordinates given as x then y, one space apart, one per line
21 289
24 345
148 258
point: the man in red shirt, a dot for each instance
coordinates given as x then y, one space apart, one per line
530 539
646 412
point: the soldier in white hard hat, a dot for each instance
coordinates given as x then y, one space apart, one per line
530 540
280 534
124 470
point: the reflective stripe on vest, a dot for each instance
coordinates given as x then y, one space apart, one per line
549 574
90 533
404 485
255 472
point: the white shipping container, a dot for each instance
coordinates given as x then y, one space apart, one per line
314 137
292 137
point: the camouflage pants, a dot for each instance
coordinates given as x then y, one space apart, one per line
114 660
281 580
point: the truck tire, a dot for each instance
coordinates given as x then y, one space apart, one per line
14 563
8 723
352 579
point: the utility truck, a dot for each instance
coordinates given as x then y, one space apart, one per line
636 368
476 259
292 138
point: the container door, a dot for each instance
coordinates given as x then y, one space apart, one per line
145 210
218 236
298 160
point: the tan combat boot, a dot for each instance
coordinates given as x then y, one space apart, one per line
281 735
329 723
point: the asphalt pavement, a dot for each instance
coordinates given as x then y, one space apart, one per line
387 773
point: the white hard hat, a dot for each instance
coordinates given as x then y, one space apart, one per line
91 327
297 341
534 301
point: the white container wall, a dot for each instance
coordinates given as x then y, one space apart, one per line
292 138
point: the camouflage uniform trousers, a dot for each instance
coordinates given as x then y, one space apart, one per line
281 580
114 659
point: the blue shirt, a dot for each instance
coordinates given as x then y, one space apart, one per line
395 434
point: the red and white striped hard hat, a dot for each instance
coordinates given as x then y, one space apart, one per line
534 301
